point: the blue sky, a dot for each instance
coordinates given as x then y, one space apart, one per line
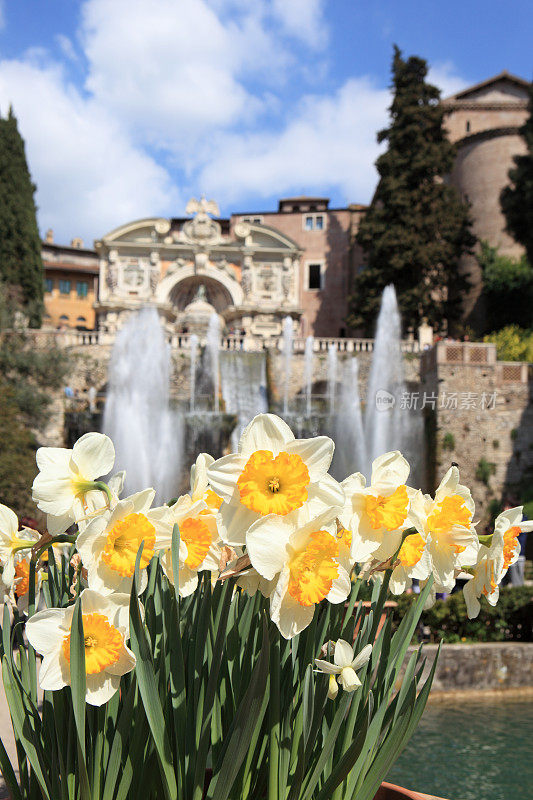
131 107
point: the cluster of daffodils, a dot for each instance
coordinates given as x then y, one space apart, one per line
271 515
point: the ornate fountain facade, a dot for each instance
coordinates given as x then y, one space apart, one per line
191 268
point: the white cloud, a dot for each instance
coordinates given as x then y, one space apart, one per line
90 176
303 19
66 47
329 143
445 76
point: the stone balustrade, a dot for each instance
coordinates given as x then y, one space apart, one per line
182 341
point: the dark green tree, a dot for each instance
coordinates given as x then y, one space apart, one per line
20 245
517 199
508 288
417 227
31 372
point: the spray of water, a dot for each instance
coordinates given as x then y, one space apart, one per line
347 429
288 336
385 423
193 342
137 415
308 373
332 377
213 350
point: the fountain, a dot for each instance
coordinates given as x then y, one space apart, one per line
308 373
288 336
347 428
385 424
332 377
137 416
213 350
193 342
244 389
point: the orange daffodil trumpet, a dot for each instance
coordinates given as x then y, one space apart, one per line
304 562
445 523
343 669
377 514
199 541
272 473
109 544
105 630
67 487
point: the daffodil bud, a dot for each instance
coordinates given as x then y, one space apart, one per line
333 688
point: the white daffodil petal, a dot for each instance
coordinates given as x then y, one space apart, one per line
224 473
316 453
101 687
362 658
324 494
94 455
8 521
53 459
473 606
233 521
327 667
341 587
265 432
126 662
53 494
343 655
43 630
54 672
266 542
349 680
390 469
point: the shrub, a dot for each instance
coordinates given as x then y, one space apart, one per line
512 343
484 470
448 441
510 620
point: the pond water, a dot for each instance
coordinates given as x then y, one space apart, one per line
471 751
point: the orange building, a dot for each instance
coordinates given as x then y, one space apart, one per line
70 284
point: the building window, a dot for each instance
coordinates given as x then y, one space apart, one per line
468 126
64 287
82 287
63 320
48 285
81 322
256 220
313 222
314 280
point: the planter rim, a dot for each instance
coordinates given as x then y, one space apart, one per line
390 791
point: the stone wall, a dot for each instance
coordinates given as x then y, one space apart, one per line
483 411
480 667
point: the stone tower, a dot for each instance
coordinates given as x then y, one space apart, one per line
484 121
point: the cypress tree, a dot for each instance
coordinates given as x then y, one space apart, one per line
417 227
20 245
517 199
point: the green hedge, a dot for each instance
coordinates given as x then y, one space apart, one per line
510 620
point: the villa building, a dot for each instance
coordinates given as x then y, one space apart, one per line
255 269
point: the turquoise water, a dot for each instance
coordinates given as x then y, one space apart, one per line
471 751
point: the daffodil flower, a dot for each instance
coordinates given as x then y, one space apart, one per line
511 524
344 667
200 489
445 522
12 541
376 515
486 574
67 487
199 540
108 546
305 561
272 473
413 561
105 630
